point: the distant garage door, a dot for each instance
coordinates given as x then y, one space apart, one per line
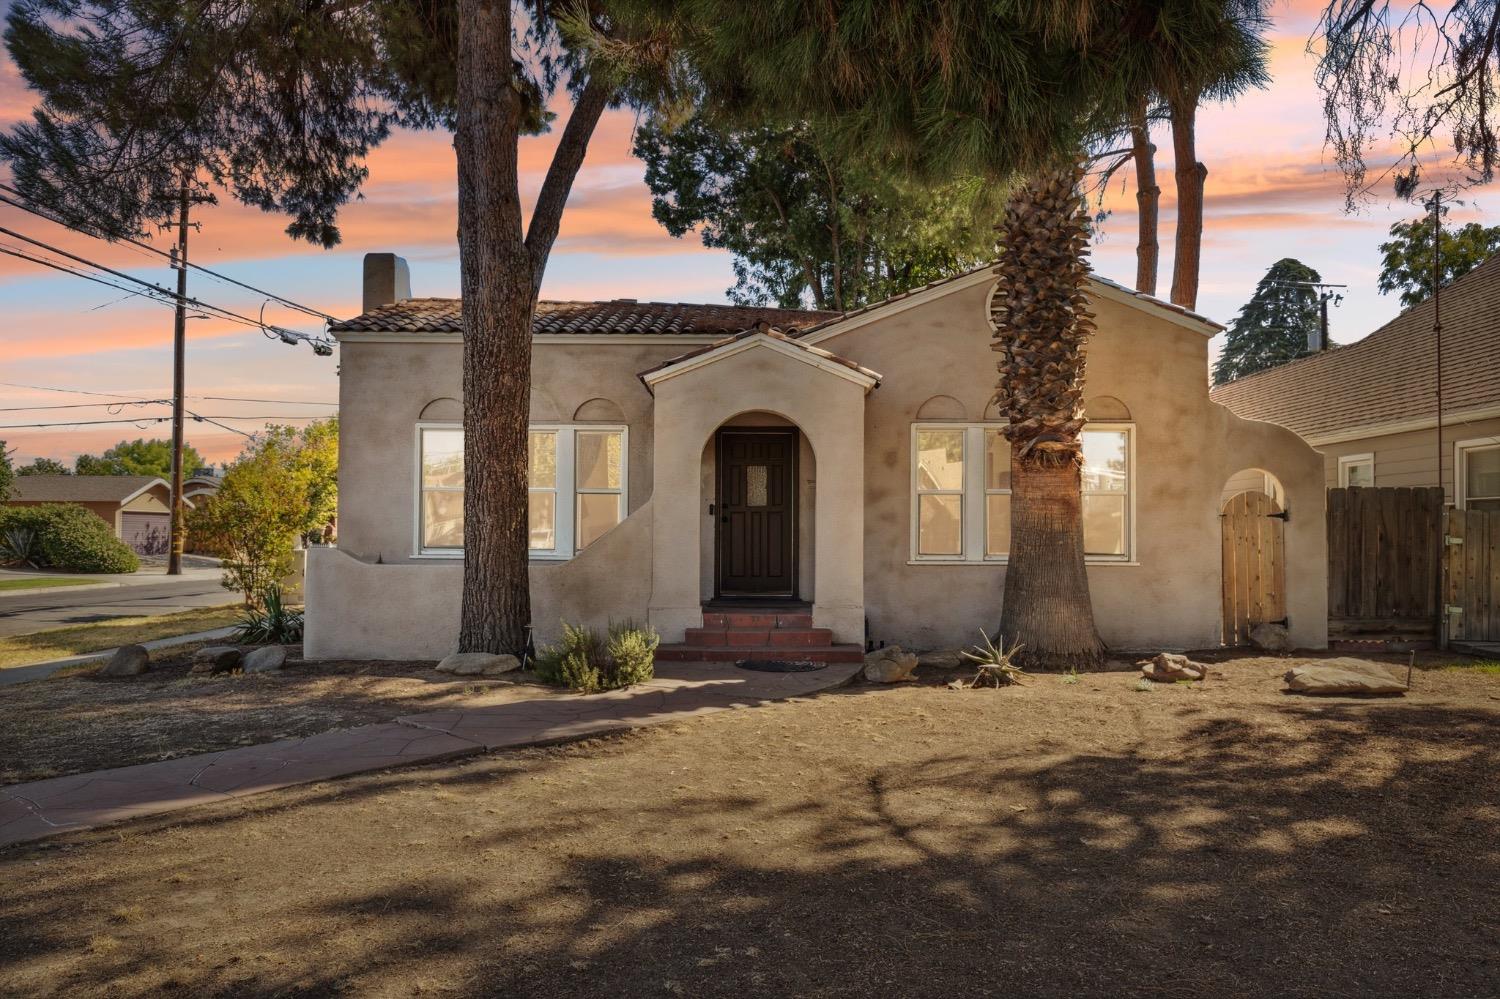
147 533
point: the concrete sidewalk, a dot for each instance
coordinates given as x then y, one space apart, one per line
679 691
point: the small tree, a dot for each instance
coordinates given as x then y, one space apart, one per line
44 466
1273 327
253 520
7 474
138 457
1406 263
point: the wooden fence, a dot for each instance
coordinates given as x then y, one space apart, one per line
1254 573
1383 561
1471 575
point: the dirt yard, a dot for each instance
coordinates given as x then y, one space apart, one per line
1058 839
69 724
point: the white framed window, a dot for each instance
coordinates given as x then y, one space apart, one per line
1476 465
961 492
1357 469
576 476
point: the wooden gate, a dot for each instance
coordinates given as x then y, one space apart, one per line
1471 575
1382 561
1253 568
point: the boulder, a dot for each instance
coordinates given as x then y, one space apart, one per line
1346 676
889 665
478 664
942 659
265 660
128 660
216 659
1168 667
1271 638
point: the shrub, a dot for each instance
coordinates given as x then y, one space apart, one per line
68 537
271 623
586 661
18 545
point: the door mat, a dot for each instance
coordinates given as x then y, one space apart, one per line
780 665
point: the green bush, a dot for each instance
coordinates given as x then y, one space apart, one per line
271 622
586 661
69 538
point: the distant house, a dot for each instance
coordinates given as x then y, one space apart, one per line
201 483
1371 408
138 507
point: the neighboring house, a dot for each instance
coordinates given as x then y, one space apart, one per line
1371 407
684 455
137 507
201 483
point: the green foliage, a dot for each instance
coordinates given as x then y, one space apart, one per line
139 457
1406 260
1273 327
282 485
68 537
269 621
808 229
586 661
44 466
18 546
7 474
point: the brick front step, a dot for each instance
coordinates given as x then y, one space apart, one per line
755 620
687 653
759 637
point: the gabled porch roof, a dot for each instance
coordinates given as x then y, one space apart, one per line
762 336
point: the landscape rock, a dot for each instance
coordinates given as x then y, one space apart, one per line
216 659
265 660
889 665
1346 676
1271 638
128 660
942 659
1168 667
478 664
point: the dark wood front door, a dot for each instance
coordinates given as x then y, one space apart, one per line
756 513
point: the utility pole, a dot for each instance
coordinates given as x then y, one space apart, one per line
185 198
1325 295
1437 336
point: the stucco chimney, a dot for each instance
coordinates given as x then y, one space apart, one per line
387 280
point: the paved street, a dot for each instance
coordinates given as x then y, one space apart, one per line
22 613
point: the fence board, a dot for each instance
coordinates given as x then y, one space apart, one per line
1383 558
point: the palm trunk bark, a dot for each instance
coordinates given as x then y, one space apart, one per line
1147 200
1188 246
497 281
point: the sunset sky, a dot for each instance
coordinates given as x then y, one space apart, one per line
1272 192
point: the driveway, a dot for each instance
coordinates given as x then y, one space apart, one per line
22 613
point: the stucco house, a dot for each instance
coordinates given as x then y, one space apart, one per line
137 507
843 472
1371 408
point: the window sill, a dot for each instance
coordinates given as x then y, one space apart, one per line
1003 561
459 557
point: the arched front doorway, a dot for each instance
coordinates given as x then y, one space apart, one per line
1253 519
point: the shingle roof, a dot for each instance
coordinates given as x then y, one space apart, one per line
621 316
79 488
1391 375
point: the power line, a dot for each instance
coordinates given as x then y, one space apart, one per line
49 388
152 249
135 399
86 405
157 419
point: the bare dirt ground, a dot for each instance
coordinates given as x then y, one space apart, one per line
81 721
1056 839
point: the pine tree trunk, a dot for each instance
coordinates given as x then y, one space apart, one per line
1147 200
1042 324
1188 247
496 278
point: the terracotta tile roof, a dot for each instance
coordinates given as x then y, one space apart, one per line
787 336
79 488
621 316
1391 375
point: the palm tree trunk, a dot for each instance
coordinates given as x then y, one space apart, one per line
1191 174
1042 324
1147 200
496 278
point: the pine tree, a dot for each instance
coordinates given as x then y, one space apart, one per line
1274 326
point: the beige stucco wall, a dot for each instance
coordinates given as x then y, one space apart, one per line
1410 458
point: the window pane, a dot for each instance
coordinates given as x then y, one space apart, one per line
1360 475
442 520
996 460
997 524
1492 505
542 521
755 485
442 457
940 459
1104 525
543 460
598 460
1482 472
940 525
597 513
1104 461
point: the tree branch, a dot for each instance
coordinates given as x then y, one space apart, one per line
546 217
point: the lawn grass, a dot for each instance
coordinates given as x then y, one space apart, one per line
42 582
1490 666
58 643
